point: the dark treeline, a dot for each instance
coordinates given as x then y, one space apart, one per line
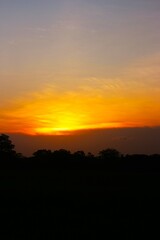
110 159
63 195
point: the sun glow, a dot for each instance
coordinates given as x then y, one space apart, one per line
72 113
72 130
52 113
65 124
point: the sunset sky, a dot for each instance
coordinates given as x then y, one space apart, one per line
70 65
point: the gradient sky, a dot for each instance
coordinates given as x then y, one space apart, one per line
79 64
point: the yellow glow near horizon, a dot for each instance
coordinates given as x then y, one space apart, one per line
72 129
50 113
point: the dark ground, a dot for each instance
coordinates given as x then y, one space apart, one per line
67 199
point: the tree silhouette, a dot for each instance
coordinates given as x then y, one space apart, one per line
109 154
42 153
6 146
79 155
62 154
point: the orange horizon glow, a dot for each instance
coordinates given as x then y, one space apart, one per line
50 113
77 131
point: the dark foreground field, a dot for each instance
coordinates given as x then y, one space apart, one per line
80 198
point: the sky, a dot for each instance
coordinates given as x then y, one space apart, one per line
125 140
69 65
